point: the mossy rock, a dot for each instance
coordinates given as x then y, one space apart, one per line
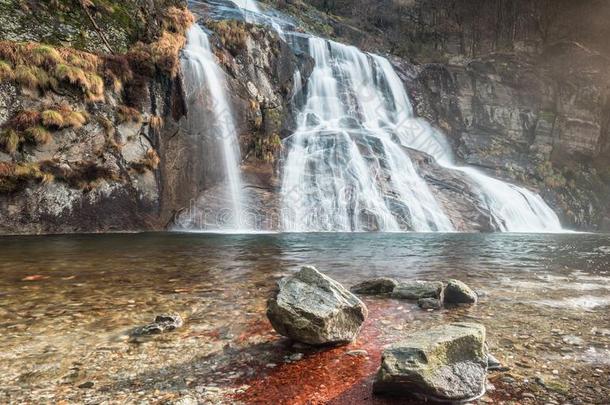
65 22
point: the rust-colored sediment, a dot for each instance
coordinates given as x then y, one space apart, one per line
327 375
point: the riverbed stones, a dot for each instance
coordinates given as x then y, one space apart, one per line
445 363
375 286
457 292
414 290
162 323
429 303
314 309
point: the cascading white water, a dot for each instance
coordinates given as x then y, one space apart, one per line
209 108
514 209
248 5
345 169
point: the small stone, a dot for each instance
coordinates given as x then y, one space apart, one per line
457 292
88 384
573 340
186 400
358 352
162 323
376 286
295 357
429 303
494 364
414 290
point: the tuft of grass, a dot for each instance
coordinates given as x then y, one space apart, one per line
232 34
150 161
81 175
75 119
45 55
38 135
24 119
107 125
26 77
155 122
31 171
52 119
165 52
6 71
86 61
94 87
128 114
177 20
10 140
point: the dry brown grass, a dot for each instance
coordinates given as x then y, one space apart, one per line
6 71
41 67
177 19
232 34
128 114
165 52
14 176
52 119
24 119
155 122
149 162
75 119
38 135
10 140
83 175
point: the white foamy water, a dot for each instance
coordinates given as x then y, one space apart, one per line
346 169
249 5
205 85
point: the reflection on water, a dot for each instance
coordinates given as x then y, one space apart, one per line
67 301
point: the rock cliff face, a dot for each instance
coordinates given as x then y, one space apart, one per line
81 127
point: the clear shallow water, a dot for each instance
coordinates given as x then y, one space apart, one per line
67 302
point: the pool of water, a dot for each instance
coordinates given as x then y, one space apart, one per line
67 304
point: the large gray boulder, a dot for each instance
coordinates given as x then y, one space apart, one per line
414 290
445 363
312 308
375 286
457 292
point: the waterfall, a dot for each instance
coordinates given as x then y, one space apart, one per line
210 113
346 168
513 208
344 171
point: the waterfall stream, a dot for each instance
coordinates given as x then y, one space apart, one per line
346 169
211 114
343 171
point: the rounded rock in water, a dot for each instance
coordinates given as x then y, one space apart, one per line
381 285
457 292
312 308
414 290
